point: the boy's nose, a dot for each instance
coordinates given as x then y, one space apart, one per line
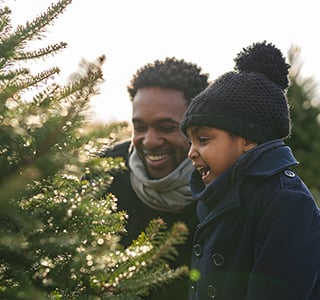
193 153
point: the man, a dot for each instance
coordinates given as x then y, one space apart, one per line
156 183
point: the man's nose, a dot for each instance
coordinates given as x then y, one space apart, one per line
152 138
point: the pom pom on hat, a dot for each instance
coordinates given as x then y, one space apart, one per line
265 59
249 101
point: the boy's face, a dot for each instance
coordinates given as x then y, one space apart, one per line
156 116
213 150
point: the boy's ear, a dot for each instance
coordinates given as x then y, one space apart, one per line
248 144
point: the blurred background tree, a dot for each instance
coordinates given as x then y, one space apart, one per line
59 236
305 115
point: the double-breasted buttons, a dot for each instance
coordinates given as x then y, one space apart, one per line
218 259
193 286
211 291
197 250
289 173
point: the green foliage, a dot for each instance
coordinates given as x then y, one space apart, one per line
59 236
305 112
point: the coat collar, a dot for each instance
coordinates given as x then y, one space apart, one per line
264 160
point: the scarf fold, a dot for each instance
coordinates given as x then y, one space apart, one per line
170 193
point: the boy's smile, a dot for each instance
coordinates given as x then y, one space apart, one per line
213 150
204 172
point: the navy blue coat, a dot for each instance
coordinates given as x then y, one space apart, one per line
259 231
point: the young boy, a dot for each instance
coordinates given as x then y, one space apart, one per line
259 231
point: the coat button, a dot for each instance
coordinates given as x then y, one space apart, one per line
193 287
289 173
197 250
218 259
211 291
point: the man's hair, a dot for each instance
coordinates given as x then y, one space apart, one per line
170 73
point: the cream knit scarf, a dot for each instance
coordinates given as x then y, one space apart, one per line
171 193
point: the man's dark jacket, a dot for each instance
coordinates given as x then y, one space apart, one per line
139 216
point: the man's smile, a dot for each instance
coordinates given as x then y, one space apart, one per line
155 157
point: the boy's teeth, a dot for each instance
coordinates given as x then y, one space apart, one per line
203 171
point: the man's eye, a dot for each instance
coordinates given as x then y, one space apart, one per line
168 128
139 128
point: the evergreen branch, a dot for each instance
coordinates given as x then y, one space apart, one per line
55 131
11 74
85 85
152 280
34 79
4 19
18 85
138 249
31 30
165 244
148 252
128 296
40 52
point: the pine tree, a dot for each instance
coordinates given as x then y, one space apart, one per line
59 235
305 112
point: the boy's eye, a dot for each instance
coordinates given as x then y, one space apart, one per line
202 139
199 140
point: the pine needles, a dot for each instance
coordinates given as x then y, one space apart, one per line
59 234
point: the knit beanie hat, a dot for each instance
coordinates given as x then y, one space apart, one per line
249 101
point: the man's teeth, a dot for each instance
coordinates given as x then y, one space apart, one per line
156 157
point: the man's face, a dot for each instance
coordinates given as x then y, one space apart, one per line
156 116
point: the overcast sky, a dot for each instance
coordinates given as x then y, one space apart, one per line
132 33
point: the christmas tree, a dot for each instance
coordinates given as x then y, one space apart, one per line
59 236
305 133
